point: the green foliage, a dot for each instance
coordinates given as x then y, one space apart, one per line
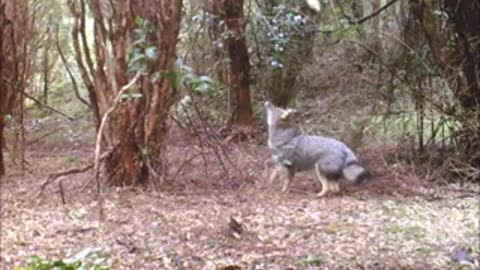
128 96
143 53
437 128
311 260
185 76
282 27
86 259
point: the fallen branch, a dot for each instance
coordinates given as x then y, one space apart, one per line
62 194
55 176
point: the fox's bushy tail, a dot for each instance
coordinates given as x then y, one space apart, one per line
353 171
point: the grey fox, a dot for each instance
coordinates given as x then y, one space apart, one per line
293 152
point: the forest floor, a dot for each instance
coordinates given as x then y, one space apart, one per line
200 222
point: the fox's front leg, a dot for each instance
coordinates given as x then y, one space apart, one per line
290 174
267 164
273 176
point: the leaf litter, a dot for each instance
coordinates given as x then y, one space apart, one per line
388 225
265 230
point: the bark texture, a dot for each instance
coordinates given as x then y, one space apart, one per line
136 131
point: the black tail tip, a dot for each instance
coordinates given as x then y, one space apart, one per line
363 178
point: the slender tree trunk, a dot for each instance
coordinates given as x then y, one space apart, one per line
239 60
45 70
2 143
465 17
2 87
14 60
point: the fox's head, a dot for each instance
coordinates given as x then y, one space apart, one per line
281 124
278 117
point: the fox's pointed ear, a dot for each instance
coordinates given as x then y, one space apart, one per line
287 113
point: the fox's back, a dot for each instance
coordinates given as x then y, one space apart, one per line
308 150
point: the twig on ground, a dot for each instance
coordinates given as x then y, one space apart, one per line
187 160
87 184
62 194
55 176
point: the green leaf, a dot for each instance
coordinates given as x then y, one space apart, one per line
205 79
311 260
155 77
140 41
151 53
137 58
202 88
139 21
127 96
174 78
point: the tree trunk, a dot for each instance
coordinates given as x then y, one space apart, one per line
15 37
2 164
2 87
239 61
137 129
45 68
465 17
465 20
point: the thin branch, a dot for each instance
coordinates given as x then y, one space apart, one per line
48 107
70 75
43 136
373 14
62 194
357 21
39 102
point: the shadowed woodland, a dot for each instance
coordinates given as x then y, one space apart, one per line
133 133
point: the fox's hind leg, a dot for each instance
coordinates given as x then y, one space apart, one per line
323 181
334 186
